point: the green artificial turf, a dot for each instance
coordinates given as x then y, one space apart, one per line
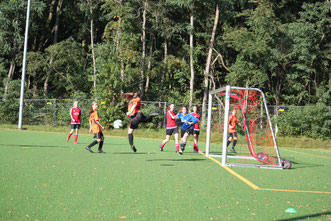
43 177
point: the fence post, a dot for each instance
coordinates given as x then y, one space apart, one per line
54 112
164 115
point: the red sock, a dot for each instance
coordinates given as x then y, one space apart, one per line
69 135
162 145
196 147
177 147
76 137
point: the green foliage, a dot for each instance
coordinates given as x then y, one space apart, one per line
311 121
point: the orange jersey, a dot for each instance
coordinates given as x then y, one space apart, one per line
94 116
134 102
233 123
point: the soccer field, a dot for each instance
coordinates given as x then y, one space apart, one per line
43 177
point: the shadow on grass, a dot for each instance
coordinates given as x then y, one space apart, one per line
132 153
178 160
307 216
167 165
30 145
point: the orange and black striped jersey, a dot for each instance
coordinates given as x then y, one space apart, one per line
134 102
233 123
94 116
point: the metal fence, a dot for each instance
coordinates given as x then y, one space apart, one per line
55 112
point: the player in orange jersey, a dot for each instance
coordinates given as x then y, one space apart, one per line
95 127
135 115
232 130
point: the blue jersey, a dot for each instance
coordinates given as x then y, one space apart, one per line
187 118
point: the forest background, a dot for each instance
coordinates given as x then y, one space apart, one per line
170 50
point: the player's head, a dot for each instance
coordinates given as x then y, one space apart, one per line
93 107
184 110
234 111
135 95
171 107
195 109
75 104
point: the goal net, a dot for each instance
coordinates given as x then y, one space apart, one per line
256 144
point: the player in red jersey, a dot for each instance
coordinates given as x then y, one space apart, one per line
171 128
232 130
75 115
196 131
95 128
135 115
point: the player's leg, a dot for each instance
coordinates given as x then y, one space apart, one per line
166 140
176 138
230 139
130 136
100 140
235 138
88 148
196 139
133 124
145 119
184 140
76 134
71 132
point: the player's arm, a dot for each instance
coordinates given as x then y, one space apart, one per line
90 122
72 118
98 123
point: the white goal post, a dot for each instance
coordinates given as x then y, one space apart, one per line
260 146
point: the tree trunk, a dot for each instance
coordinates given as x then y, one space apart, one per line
56 33
149 65
9 77
143 39
44 38
206 73
191 57
92 48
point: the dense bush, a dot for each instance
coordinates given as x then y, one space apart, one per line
311 121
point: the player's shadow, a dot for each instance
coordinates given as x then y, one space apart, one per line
300 165
146 153
178 160
32 145
307 216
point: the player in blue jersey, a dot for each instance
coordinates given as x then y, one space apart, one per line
187 128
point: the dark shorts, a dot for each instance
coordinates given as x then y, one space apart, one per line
98 135
233 135
188 131
75 126
138 118
197 132
171 131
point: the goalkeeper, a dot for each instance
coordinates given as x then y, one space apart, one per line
232 130
188 121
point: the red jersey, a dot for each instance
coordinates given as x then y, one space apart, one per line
233 123
171 123
196 126
94 116
75 114
134 101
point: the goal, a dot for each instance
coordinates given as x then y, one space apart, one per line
256 145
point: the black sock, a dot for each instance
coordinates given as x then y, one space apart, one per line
227 144
92 144
234 144
183 144
130 139
100 145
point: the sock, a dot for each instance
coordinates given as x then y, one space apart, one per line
183 144
100 145
76 137
234 144
227 144
177 147
196 147
130 139
92 144
162 145
69 135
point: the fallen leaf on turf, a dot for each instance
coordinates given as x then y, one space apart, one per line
122 217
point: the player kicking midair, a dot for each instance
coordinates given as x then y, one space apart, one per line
135 115
95 128
196 130
171 128
188 121
75 115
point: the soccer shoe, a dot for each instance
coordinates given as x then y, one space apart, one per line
89 149
233 150
75 142
101 151
133 148
182 149
154 114
195 151
179 152
161 148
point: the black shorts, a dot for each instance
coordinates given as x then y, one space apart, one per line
138 118
197 132
233 135
98 135
171 131
75 126
188 131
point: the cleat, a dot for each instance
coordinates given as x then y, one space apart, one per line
161 148
182 149
154 114
179 152
75 142
195 151
133 148
101 151
233 150
89 149
67 140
